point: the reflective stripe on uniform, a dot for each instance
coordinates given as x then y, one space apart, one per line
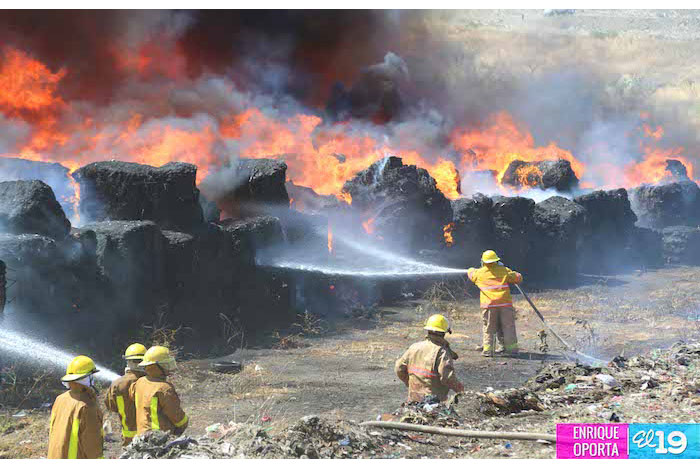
421 372
181 422
498 305
122 413
493 287
155 424
73 443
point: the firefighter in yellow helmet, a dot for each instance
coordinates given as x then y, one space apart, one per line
493 280
157 403
75 429
118 399
427 367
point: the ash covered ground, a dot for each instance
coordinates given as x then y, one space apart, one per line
342 371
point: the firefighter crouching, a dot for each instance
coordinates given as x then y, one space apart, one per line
157 403
493 280
118 399
427 367
75 429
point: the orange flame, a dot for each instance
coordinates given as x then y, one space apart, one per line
529 175
318 155
447 233
330 239
501 142
345 197
368 225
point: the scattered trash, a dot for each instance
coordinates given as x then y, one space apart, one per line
508 446
607 380
214 427
21 414
265 419
344 442
570 387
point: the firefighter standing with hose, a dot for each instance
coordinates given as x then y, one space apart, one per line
157 403
118 399
493 280
75 429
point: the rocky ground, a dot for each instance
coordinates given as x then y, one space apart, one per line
341 370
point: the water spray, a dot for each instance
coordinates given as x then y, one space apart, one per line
593 360
40 352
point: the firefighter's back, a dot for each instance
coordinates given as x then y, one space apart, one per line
66 439
156 401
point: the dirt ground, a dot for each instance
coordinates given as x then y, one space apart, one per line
346 372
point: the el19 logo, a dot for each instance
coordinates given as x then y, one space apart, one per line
664 441
677 441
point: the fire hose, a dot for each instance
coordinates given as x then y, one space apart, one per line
462 433
559 338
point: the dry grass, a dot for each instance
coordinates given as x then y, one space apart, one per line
24 437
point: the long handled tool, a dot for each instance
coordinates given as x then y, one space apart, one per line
563 342
462 433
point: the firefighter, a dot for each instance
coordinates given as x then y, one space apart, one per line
157 403
75 429
493 280
427 367
118 399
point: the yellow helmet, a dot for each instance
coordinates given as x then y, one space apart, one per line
437 323
78 368
135 352
489 256
158 355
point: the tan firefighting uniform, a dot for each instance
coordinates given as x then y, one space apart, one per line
119 401
157 406
427 368
75 429
496 303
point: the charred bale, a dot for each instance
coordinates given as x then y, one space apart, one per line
116 190
53 174
561 227
36 268
556 174
513 230
612 225
472 229
676 171
407 207
307 200
179 249
264 296
210 211
130 255
645 248
248 187
659 206
30 207
681 245
376 95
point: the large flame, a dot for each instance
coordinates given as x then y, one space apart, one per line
319 155
501 142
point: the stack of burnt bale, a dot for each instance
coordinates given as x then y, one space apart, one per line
556 239
672 209
39 249
159 253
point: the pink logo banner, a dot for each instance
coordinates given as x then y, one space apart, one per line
592 441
